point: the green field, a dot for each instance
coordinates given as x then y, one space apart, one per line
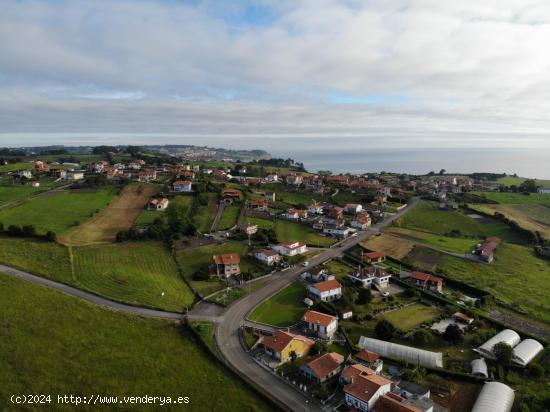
411 316
17 166
71 347
339 269
60 211
450 244
516 276
515 198
199 259
204 214
230 217
283 309
49 260
290 231
427 217
147 217
510 180
137 273
10 193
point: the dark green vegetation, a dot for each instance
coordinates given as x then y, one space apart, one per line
229 217
60 211
205 211
293 232
138 273
283 309
68 347
514 198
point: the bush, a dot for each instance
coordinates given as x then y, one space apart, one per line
422 337
536 370
50 236
385 329
201 275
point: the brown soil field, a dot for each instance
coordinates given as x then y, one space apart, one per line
532 217
392 246
119 215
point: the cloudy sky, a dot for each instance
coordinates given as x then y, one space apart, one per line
457 71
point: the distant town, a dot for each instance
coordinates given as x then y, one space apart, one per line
301 290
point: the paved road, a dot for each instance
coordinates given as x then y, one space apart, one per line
219 213
90 297
227 332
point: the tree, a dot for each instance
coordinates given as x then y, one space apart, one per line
503 353
1 227
384 329
536 370
28 231
50 236
421 337
293 356
529 186
365 297
442 171
453 334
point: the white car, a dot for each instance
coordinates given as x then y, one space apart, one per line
306 263
386 294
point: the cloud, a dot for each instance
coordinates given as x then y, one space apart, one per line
319 67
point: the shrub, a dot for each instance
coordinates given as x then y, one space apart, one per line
385 329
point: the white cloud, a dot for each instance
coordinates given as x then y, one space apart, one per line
169 67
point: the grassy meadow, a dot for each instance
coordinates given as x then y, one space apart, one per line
410 317
16 166
68 346
230 217
515 198
137 273
60 211
283 309
290 231
204 214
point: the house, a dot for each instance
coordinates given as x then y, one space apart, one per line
370 276
268 256
295 214
183 186
72 175
392 402
327 290
291 248
136 164
295 180
231 195
463 318
362 221
351 372
283 345
409 390
57 172
364 392
317 274
158 204
226 265
321 324
272 178
147 175
353 208
270 196
543 191
486 249
24 174
315 209
220 174
336 212
185 174
259 205
322 367
427 281
373 257
340 180
338 230
40 166
99 166
370 359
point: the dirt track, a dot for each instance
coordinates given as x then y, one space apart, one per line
119 215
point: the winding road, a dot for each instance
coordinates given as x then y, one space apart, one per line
229 323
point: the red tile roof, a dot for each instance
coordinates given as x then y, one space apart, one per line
366 386
322 365
327 285
374 255
426 278
391 402
227 259
281 339
355 370
367 356
319 318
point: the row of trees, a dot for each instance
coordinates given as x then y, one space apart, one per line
26 231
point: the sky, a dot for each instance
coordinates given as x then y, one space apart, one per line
410 73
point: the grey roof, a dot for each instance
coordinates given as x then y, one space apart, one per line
507 335
479 367
414 388
494 397
402 352
526 351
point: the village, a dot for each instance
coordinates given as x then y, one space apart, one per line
372 328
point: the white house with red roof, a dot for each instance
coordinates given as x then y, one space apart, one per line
295 214
327 291
227 265
322 367
268 256
353 208
291 248
427 281
365 391
323 325
315 209
362 221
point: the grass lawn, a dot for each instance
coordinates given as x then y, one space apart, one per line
510 180
411 316
427 217
49 260
283 309
204 214
60 211
11 193
393 246
290 231
262 223
146 217
17 166
230 216
451 244
516 276
71 347
338 268
515 198
199 259
137 273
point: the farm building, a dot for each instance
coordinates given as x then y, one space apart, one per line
407 353
226 265
507 335
479 367
494 397
526 351
486 250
